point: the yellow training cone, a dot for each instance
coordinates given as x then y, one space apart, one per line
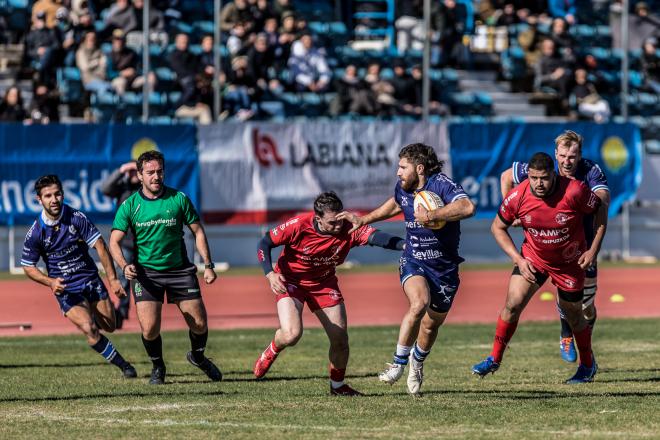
547 296
617 298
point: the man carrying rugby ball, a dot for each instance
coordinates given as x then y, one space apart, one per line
429 265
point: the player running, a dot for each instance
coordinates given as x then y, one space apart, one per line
570 163
314 245
429 265
551 209
62 236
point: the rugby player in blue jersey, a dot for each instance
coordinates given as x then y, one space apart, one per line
570 163
429 265
62 236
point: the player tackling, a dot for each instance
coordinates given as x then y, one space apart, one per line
551 209
429 265
314 245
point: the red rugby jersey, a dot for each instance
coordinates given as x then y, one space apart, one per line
554 233
308 256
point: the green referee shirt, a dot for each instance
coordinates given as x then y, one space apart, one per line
158 227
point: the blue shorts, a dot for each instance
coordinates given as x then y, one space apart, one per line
442 285
592 271
91 291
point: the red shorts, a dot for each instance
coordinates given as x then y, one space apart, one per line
568 277
317 295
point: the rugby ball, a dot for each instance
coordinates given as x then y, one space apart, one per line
430 201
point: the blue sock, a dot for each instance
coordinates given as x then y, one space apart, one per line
401 354
419 354
105 348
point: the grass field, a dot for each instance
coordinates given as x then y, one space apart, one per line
55 387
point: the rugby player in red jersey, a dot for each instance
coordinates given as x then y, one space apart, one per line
551 209
314 245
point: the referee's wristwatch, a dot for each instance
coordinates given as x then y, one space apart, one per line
209 265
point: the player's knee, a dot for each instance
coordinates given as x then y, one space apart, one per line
589 312
418 308
512 311
150 333
198 326
90 330
291 336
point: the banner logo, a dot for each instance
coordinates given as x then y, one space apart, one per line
265 149
614 153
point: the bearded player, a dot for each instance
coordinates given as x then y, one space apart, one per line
551 209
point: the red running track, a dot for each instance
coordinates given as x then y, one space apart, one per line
371 299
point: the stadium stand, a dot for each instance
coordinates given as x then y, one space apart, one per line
489 58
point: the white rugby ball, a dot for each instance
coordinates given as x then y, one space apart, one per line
430 201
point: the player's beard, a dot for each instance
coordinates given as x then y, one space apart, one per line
53 212
409 184
550 190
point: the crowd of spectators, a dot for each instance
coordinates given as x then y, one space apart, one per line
271 50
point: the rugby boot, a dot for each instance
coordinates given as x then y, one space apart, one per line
344 390
567 349
486 366
584 374
415 375
129 371
392 373
264 362
157 375
207 367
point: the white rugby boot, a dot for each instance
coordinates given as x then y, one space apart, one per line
392 373
415 375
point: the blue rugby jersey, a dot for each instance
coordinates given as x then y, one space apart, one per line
433 247
63 245
587 172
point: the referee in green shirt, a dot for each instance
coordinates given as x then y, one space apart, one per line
156 215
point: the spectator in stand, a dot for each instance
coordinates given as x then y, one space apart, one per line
207 60
435 107
270 29
241 89
42 47
559 34
129 19
11 107
354 95
287 36
260 59
48 8
383 91
403 84
124 61
78 8
92 63
651 65
239 40
551 70
187 66
508 17
409 25
309 68
530 41
589 103
44 108
563 8
282 7
120 16
450 23
235 13
260 11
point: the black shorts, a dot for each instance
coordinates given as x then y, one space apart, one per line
179 284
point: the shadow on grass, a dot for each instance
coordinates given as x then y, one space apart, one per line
115 395
60 365
276 378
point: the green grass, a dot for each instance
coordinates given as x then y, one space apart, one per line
55 387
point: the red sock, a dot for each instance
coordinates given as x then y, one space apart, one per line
337 374
274 348
583 342
503 333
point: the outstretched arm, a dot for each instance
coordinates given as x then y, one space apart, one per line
56 284
386 241
387 210
109 268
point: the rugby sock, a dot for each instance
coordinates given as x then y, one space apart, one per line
154 350
198 345
337 376
273 348
583 342
105 348
418 354
566 330
503 333
401 355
